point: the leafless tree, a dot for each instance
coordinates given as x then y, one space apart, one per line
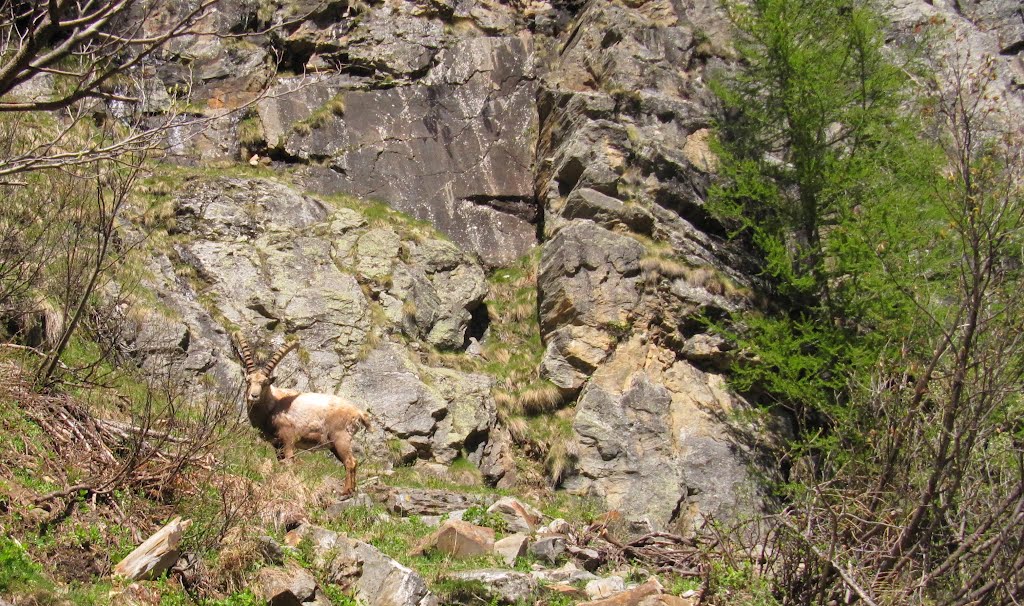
78 53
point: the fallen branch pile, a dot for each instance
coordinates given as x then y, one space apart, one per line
112 455
660 552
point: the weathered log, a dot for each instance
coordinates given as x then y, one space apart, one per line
156 554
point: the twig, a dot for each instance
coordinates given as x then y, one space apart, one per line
849 580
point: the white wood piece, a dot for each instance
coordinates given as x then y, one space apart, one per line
156 554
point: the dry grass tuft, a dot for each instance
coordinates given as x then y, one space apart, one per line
239 554
540 397
409 309
518 428
285 500
521 312
654 267
560 461
706 277
501 356
506 402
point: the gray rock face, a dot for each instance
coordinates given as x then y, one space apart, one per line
434 297
625 132
657 443
455 149
396 39
1004 18
588 276
455 412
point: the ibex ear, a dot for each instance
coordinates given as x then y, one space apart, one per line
270 381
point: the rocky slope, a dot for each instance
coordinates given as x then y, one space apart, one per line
579 128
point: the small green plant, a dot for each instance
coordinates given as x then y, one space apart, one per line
339 596
17 570
481 517
740 584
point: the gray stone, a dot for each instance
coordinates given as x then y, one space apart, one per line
463 165
507 586
288 586
568 573
653 443
590 276
589 558
511 548
376 579
400 402
438 293
357 500
271 550
607 211
603 588
459 539
519 516
393 39
497 462
230 207
377 252
548 547
707 349
572 355
471 412
429 501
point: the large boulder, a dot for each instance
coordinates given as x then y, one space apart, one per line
459 539
660 441
375 578
589 276
501 586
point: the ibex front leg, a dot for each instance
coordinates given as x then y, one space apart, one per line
341 445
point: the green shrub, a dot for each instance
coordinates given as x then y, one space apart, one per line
481 517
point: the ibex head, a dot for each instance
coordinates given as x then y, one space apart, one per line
258 380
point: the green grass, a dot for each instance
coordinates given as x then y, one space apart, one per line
250 130
17 570
513 347
333 107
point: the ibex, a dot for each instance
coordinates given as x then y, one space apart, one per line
287 417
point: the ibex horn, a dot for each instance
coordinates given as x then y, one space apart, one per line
278 355
243 348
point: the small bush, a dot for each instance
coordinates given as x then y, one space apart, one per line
481 517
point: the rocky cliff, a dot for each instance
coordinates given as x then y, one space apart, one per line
495 128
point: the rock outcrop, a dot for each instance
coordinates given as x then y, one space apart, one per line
261 256
631 261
